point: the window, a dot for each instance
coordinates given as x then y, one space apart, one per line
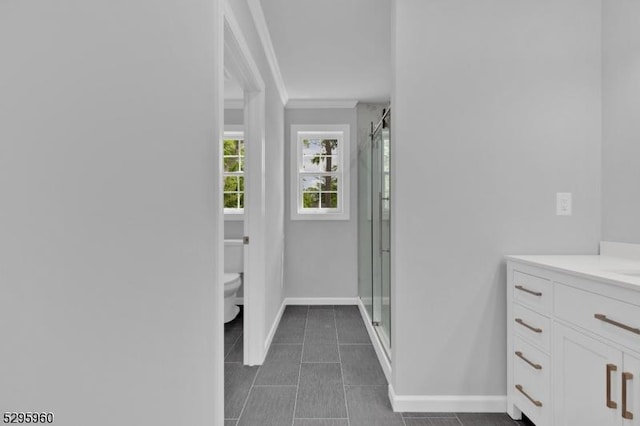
233 163
320 172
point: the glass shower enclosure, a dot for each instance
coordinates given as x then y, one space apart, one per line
374 228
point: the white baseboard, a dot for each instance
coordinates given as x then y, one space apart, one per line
375 340
321 300
448 403
274 327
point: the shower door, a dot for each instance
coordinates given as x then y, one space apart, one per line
381 231
365 268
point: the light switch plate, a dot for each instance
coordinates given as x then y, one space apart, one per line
563 204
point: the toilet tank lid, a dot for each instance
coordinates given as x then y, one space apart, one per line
228 277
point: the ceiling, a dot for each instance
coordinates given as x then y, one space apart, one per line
232 89
332 49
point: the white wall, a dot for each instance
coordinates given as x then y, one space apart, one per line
108 229
233 116
274 178
496 107
321 256
621 127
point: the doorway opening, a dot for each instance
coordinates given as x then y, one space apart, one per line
241 68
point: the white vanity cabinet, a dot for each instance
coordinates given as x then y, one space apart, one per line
530 306
587 371
573 339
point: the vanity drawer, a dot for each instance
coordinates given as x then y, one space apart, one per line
532 291
532 391
534 402
531 363
609 318
532 326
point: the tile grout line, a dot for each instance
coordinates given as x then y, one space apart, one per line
274 386
321 418
295 401
246 401
235 342
344 387
306 324
233 346
225 362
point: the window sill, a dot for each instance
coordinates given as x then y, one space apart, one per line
233 217
320 216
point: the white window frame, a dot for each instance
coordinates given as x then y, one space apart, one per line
234 132
337 131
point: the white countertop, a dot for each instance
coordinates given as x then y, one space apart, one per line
617 263
614 270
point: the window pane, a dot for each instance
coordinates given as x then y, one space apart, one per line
319 183
231 200
241 200
311 146
231 164
310 200
230 147
329 183
241 183
318 146
320 163
334 200
329 200
241 168
311 183
230 184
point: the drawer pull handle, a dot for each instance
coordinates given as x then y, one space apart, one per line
526 290
625 378
604 318
534 365
533 401
521 322
610 369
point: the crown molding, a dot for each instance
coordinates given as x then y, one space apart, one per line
233 104
321 103
238 59
265 38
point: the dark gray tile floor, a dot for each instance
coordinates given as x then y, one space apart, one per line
321 370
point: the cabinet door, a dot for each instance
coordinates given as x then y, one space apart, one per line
587 380
631 380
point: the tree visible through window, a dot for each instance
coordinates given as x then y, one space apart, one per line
233 159
319 175
320 190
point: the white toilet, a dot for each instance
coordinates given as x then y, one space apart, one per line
233 268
